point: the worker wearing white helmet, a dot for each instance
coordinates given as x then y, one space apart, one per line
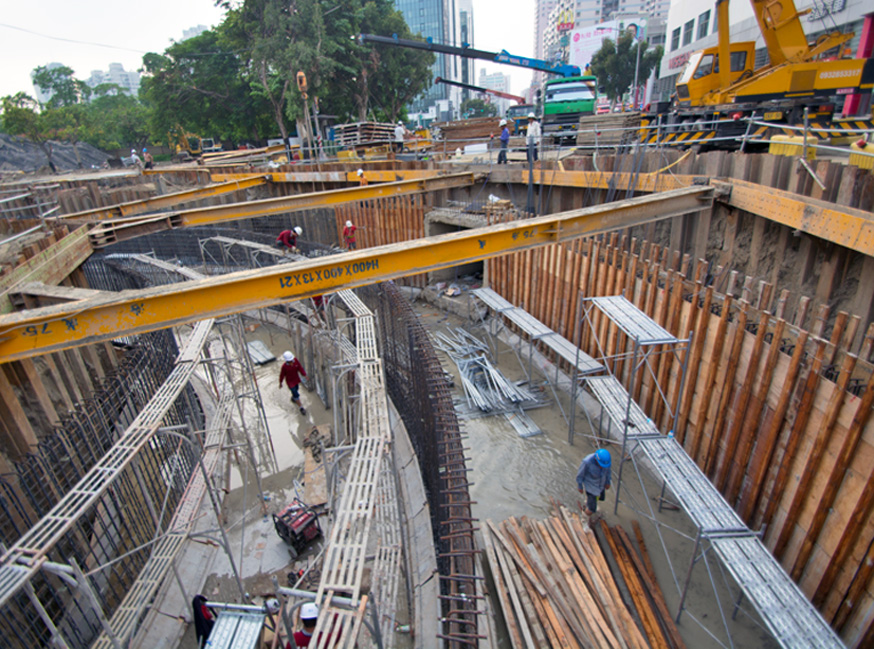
287 239
400 131
505 142
309 615
349 235
290 373
532 137
361 178
135 159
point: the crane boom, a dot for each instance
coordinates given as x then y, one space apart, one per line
489 91
562 69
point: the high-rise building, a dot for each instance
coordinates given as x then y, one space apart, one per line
542 9
496 81
191 32
449 22
127 80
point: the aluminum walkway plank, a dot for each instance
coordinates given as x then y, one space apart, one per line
538 331
789 615
632 321
613 397
697 495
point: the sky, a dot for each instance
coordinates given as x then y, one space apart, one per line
88 35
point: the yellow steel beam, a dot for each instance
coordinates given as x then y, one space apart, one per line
119 229
160 202
57 327
845 226
338 176
49 266
650 182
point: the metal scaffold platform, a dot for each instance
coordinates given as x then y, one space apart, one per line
785 611
539 332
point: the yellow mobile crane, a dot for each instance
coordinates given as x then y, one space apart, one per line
715 102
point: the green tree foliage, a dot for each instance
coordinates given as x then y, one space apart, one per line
477 108
65 89
22 117
118 120
614 64
200 83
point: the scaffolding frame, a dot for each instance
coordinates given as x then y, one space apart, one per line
785 611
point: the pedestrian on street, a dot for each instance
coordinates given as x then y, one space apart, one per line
361 179
287 239
291 372
349 235
593 476
505 141
532 137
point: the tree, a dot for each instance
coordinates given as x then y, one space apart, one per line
118 120
66 91
478 108
21 117
615 62
201 84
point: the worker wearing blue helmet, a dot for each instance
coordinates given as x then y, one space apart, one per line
593 476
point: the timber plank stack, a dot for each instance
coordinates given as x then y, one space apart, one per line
363 133
476 130
556 588
609 129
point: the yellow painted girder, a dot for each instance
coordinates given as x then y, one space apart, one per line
649 182
49 329
160 202
126 228
338 176
845 226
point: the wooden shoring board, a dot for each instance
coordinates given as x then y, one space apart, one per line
315 479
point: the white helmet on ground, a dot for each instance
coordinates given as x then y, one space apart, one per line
298 230
309 611
288 357
272 605
348 224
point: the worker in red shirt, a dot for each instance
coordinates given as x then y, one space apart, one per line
349 235
291 372
309 615
287 239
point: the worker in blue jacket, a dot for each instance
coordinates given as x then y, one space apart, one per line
593 476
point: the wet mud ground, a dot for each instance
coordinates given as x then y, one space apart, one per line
511 476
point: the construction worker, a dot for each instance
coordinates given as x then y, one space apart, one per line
148 159
291 372
505 141
400 131
287 239
361 179
532 137
204 619
593 477
309 615
349 235
135 159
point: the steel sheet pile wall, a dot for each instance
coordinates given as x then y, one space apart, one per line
776 410
384 221
120 526
419 391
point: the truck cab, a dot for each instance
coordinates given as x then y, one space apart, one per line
565 101
700 77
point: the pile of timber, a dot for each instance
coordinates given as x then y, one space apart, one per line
476 130
611 129
363 133
555 586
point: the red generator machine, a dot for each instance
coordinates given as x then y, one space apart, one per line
297 525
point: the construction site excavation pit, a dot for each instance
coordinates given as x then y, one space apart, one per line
528 476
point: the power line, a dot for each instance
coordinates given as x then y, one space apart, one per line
70 40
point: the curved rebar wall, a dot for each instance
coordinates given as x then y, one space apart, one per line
119 527
419 390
